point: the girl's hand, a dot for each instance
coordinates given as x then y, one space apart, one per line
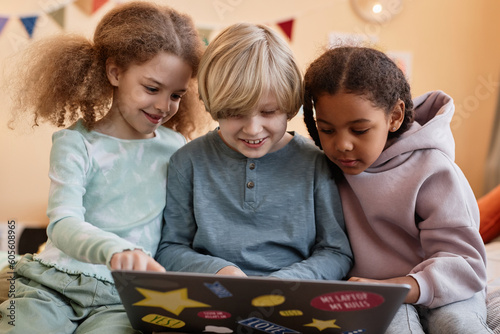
413 294
231 271
134 260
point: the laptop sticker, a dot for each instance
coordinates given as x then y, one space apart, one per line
216 329
323 324
265 326
217 315
219 290
163 302
291 313
174 301
347 301
164 321
268 300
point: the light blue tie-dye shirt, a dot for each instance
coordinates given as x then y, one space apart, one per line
106 195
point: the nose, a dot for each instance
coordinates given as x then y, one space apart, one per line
163 105
253 125
343 144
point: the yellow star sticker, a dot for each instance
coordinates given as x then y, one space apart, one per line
174 301
323 324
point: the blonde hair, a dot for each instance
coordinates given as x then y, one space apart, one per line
63 78
241 64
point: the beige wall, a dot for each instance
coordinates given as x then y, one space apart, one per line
453 44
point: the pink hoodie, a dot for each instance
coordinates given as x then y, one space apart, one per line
413 212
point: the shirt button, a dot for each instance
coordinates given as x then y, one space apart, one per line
252 166
250 185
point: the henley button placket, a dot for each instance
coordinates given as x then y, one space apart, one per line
251 174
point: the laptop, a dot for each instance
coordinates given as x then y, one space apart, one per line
181 302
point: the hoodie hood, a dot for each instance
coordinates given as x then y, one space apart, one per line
430 130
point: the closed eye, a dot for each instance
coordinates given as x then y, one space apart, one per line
360 132
326 131
151 89
268 112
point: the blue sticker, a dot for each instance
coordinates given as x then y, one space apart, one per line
265 326
219 290
357 331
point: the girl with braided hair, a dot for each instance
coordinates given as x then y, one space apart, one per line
410 213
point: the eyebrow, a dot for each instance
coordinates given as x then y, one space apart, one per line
357 121
156 82
271 105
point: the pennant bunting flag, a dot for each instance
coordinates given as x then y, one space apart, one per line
287 27
3 21
58 16
85 6
98 4
205 35
29 23
89 6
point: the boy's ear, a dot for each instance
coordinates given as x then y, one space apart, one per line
397 115
112 72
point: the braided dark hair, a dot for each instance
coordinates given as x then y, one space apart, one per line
361 71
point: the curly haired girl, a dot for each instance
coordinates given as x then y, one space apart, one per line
410 213
108 169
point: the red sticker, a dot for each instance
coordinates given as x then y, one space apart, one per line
347 301
214 315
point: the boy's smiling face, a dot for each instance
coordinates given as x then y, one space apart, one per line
257 133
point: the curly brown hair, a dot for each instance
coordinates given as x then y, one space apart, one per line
63 78
357 70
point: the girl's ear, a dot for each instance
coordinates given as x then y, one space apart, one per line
112 72
397 116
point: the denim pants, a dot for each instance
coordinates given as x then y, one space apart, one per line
464 317
50 301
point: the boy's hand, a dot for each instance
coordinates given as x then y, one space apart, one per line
231 271
413 294
134 260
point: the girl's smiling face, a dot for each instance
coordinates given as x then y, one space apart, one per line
353 132
145 95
